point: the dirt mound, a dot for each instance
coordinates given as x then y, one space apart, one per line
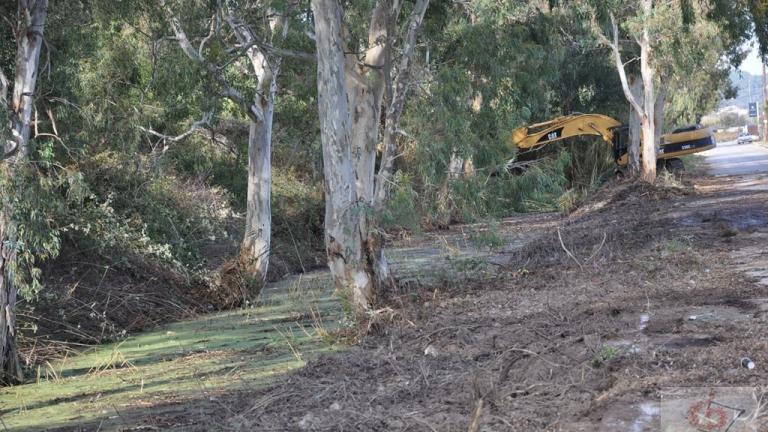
544 351
619 217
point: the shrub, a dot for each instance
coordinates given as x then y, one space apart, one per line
137 209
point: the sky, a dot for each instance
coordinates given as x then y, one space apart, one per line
752 63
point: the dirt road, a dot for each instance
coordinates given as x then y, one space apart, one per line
730 158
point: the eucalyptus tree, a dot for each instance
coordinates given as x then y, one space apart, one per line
258 44
684 50
28 31
641 30
359 81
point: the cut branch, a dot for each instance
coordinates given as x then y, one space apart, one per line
202 124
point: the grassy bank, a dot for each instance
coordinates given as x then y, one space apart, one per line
190 359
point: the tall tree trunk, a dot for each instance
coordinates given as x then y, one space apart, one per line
350 98
649 144
256 246
32 14
645 108
397 90
9 358
636 87
365 87
343 239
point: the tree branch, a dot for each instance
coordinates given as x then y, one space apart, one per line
253 111
214 29
248 40
203 123
3 88
632 60
620 67
398 89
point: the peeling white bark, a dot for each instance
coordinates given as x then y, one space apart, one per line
32 15
636 87
365 87
342 212
644 109
351 95
264 61
649 143
256 245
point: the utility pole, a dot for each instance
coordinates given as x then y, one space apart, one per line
765 100
749 104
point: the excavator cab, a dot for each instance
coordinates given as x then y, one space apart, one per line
620 142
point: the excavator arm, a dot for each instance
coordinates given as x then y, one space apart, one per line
537 135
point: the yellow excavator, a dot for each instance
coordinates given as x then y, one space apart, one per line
680 142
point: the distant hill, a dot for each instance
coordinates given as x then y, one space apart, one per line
744 83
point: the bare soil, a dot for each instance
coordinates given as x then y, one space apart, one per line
640 290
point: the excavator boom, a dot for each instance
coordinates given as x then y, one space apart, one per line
537 135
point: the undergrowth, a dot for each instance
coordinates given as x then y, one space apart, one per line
557 181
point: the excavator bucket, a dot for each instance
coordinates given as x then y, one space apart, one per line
519 134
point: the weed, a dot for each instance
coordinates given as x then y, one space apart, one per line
471 264
604 355
345 299
116 360
669 179
568 200
450 249
319 325
289 338
50 372
296 292
673 247
414 297
489 237
22 402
